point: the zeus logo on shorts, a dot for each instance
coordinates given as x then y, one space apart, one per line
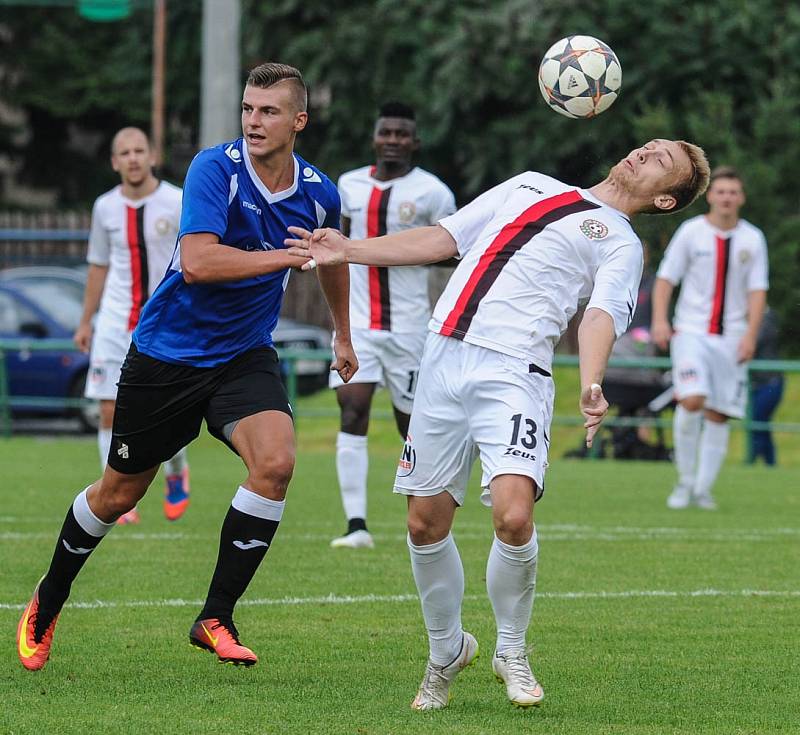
408 460
514 452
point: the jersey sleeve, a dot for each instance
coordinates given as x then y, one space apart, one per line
758 278
468 222
676 258
99 250
344 203
442 203
207 194
616 285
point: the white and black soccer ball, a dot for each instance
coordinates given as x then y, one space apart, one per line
580 76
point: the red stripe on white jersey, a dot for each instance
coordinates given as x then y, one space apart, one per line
720 280
137 287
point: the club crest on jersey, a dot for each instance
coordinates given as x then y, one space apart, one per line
310 176
406 212
593 229
744 256
233 153
162 226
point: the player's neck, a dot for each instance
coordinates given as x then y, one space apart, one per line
386 171
723 221
275 170
610 193
141 190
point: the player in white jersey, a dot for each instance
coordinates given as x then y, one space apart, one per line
389 307
721 263
531 249
131 242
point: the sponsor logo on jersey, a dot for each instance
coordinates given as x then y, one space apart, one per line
514 452
233 153
250 205
593 229
530 188
163 225
406 212
310 176
408 460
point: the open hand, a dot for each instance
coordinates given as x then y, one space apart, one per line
325 247
594 408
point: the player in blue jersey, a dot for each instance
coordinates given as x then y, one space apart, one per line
203 350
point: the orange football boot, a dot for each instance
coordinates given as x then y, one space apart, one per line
176 494
221 638
34 635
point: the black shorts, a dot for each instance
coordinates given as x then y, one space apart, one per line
160 406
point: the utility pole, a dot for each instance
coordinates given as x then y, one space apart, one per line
221 85
159 52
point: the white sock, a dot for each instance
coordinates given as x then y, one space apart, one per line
713 448
440 583
103 445
686 436
352 462
175 465
511 583
86 518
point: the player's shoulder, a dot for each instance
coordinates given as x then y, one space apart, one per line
359 175
424 178
229 156
693 225
169 191
109 198
749 229
316 183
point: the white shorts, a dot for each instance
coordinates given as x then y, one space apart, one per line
109 347
474 402
387 359
706 365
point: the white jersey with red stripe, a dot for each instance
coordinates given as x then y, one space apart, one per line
135 239
394 299
716 270
532 250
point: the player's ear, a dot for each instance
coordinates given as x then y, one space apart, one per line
300 121
665 202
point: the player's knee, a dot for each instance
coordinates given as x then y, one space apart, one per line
115 498
273 472
423 530
355 419
513 525
693 403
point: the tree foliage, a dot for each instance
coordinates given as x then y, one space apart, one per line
725 75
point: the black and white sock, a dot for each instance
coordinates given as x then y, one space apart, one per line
247 532
81 533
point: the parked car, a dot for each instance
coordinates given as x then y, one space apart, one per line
62 289
43 373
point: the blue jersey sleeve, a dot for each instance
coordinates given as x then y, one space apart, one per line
333 211
206 196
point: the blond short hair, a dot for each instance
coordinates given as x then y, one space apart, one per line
692 187
269 73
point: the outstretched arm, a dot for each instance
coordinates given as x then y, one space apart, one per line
418 246
660 329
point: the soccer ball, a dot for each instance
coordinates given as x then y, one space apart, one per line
580 76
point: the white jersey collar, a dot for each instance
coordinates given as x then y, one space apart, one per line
278 196
586 194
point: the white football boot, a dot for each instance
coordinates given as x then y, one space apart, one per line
704 502
356 540
680 497
511 667
434 692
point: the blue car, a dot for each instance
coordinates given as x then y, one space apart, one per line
39 316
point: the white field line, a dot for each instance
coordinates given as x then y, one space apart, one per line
546 534
333 599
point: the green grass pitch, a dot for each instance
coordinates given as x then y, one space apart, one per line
647 621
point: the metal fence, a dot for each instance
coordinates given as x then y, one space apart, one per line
291 357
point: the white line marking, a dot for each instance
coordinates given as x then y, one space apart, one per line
333 599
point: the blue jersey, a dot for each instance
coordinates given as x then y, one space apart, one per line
207 324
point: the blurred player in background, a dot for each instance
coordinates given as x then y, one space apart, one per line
530 250
131 242
203 351
720 260
389 308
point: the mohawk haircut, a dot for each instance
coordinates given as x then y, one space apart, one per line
397 109
269 73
